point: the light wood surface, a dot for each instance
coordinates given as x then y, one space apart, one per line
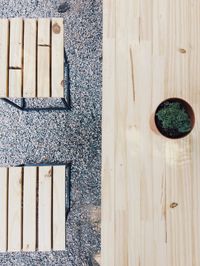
43 86
3 208
14 209
29 86
29 209
32 203
15 57
57 57
44 213
108 138
4 57
15 83
150 184
43 69
44 31
31 57
58 207
16 42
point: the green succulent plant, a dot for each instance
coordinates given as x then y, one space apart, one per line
174 116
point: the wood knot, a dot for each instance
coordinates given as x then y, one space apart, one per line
173 205
50 172
62 83
56 28
182 51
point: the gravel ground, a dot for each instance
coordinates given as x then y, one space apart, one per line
64 136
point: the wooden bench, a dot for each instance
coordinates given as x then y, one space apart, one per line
32 204
31 58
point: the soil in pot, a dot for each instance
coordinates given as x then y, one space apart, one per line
174 118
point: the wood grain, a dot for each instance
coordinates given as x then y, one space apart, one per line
44 31
15 83
14 209
150 185
59 208
43 85
29 85
43 58
29 209
3 208
15 57
4 34
108 135
16 36
44 208
57 57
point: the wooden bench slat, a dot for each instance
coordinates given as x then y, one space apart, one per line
4 57
29 84
59 207
44 208
44 31
15 83
3 209
43 67
15 58
16 30
29 208
57 56
43 86
14 209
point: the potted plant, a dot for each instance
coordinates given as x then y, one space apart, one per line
174 118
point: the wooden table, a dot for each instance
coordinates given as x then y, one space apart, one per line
150 184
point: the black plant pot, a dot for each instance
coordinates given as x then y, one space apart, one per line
174 133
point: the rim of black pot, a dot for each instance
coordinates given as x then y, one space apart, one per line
188 108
